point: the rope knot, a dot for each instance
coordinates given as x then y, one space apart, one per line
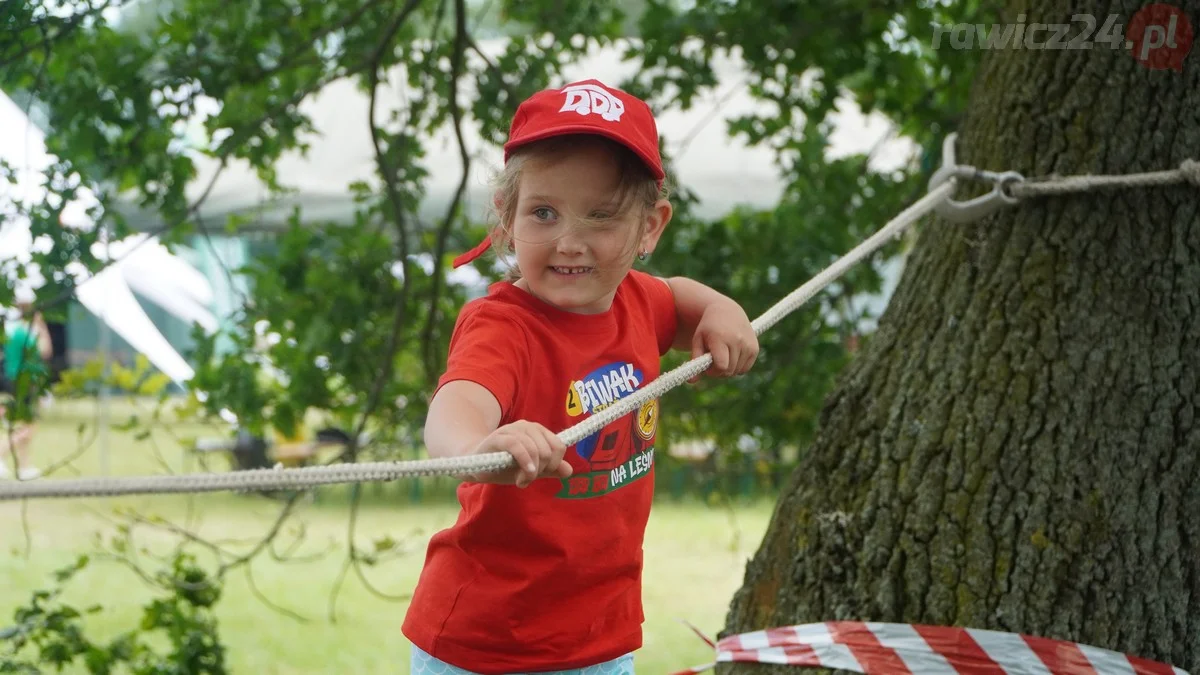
1190 169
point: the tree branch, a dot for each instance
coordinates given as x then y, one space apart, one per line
354 561
456 64
291 58
512 95
388 174
263 598
265 541
67 26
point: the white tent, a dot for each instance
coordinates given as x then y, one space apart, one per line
141 264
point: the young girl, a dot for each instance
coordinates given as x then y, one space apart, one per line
542 570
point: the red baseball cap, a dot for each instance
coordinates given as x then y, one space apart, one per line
583 107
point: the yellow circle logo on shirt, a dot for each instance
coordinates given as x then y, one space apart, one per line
574 404
647 419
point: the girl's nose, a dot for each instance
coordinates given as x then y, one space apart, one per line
571 242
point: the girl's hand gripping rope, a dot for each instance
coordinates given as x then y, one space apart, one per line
537 452
725 332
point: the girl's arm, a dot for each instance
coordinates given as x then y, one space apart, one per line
713 323
461 415
692 299
464 419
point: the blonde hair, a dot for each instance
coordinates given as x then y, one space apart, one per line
638 189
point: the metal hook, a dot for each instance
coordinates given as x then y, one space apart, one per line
979 207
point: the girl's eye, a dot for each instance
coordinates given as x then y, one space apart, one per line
607 222
543 213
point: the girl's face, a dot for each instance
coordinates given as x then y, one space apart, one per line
572 265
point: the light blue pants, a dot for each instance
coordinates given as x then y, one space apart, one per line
424 664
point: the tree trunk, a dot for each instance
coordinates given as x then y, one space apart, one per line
1016 448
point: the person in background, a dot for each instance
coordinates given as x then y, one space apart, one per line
27 349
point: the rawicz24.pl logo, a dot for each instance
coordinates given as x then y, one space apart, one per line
1158 35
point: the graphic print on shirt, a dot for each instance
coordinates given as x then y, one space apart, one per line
621 452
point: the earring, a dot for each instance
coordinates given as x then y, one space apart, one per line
642 254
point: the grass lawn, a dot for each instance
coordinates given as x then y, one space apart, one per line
695 557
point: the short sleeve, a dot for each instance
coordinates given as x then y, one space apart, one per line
662 309
488 348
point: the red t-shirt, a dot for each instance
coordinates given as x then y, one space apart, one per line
549 577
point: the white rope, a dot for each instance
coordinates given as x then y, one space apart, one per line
1188 172
306 477
1010 187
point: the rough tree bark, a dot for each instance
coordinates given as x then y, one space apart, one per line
1016 448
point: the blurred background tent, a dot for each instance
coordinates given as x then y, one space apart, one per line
142 264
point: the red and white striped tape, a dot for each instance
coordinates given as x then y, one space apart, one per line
903 649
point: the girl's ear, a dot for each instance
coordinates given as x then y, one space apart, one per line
498 204
656 222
